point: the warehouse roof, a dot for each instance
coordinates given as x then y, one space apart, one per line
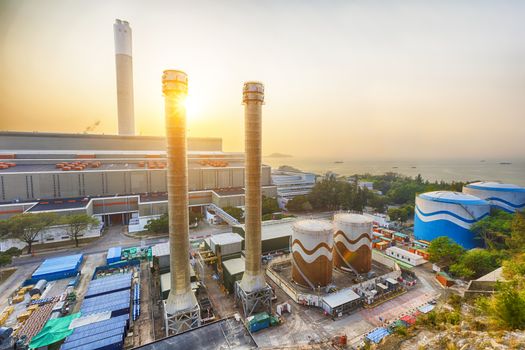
234 266
341 297
228 333
54 265
226 238
270 230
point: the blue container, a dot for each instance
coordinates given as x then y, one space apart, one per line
58 268
114 254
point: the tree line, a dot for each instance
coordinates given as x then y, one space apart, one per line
345 194
27 227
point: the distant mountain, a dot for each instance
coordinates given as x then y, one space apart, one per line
279 155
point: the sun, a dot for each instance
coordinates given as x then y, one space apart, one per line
192 106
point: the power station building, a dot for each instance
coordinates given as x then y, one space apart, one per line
507 197
111 176
451 214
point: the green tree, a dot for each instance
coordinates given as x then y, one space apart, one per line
270 205
160 225
76 224
402 214
477 262
26 227
298 203
444 251
494 230
237 213
507 307
517 236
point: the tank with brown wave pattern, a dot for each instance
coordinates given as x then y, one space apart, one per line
318 272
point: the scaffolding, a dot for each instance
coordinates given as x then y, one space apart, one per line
182 320
256 301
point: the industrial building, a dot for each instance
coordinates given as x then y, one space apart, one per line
507 197
290 184
117 177
405 256
451 214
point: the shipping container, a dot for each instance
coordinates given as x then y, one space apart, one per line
114 254
58 268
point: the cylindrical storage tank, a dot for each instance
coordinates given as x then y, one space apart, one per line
502 196
451 214
353 242
312 244
39 288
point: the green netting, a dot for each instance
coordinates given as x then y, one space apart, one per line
54 330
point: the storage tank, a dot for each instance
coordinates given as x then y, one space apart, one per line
312 243
451 214
502 196
39 288
353 242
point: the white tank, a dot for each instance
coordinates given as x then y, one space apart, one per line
507 197
312 243
353 242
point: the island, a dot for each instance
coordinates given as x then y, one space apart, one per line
279 155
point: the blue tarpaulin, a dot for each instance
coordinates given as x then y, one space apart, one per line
426 308
377 335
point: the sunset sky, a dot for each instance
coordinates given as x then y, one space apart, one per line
354 79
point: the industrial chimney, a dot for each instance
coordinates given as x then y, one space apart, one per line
253 99
124 65
182 310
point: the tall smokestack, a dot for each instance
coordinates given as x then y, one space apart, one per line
124 64
253 99
175 88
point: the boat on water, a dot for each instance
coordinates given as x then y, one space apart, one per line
505 163
338 162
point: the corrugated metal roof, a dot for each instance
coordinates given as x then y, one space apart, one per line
161 249
234 266
341 297
54 265
226 238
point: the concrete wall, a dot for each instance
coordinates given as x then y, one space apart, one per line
48 185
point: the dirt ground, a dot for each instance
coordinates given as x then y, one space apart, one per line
143 327
87 268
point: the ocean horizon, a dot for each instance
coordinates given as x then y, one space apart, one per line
432 170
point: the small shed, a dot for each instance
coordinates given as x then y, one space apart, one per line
229 243
113 255
233 271
377 335
161 251
343 301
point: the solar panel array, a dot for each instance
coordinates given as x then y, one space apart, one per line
107 294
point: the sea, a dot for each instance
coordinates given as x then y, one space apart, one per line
512 171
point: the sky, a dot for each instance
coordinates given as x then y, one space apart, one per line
351 79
